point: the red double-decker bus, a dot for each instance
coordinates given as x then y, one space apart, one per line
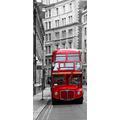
66 76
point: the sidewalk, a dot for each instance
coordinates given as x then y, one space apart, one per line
38 103
84 87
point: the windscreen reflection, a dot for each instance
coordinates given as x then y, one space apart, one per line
59 80
74 80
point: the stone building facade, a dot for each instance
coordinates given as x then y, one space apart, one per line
83 35
38 43
63 28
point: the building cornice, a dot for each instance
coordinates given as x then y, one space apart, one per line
57 3
49 18
83 24
68 25
57 40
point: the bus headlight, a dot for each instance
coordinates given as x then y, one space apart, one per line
78 93
56 93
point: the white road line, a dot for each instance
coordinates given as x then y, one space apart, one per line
45 113
49 112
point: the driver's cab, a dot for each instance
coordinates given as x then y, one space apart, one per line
59 80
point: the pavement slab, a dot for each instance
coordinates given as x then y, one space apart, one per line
39 104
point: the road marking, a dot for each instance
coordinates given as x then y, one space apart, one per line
47 111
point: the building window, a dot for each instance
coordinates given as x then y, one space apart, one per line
70 6
57 46
85 31
70 19
49 61
49 25
70 32
85 57
46 14
49 13
49 36
47 2
57 23
46 49
46 25
63 44
57 35
46 61
56 11
85 43
63 9
84 18
46 36
85 7
64 33
49 49
64 21
70 44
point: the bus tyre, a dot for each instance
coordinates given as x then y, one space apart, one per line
80 100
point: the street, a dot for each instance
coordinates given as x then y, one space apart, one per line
59 59
65 111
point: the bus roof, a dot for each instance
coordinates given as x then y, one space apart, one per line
65 51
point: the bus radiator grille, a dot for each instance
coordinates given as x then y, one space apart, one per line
67 95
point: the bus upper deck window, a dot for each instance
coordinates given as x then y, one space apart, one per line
73 57
60 57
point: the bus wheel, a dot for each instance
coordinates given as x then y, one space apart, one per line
53 101
80 100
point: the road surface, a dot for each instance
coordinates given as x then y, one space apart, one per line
65 111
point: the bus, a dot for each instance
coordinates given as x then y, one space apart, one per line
66 76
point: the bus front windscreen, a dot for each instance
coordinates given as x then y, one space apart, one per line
74 80
59 80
